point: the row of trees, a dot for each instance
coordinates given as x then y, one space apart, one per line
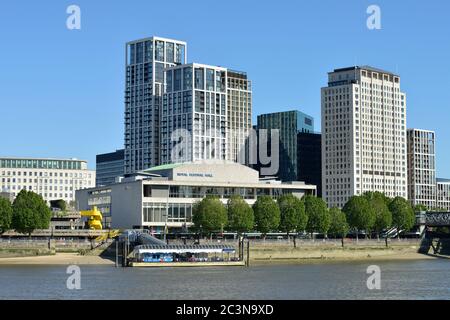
371 212
27 213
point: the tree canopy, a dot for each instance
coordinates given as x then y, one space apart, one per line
338 225
318 215
240 215
402 214
267 214
209 214
379 203
30 212
292 213
360 215
5 215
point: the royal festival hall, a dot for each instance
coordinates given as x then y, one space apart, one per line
164 195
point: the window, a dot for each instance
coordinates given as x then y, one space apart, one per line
210 79
199 83
187 78
159 51
177 80
169 52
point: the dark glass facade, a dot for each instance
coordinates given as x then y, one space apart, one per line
309 159
289 124
108 167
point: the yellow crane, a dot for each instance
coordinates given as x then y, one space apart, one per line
94 218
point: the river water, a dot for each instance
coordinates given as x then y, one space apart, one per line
418 279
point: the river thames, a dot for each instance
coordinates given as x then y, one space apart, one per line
418 279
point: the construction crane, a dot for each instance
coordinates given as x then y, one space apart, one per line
94 218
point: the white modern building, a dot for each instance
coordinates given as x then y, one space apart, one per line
206 114
53 179
164 195
443 194
146 60
421 167
363 134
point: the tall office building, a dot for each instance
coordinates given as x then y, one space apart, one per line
363 134
289 124
53 179
146 60
206 114
443 194
421 167
309 159
109 166
239 115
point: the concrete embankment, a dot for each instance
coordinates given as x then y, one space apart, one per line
313 252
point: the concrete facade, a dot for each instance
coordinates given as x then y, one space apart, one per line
164 195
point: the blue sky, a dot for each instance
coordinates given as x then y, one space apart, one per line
61 91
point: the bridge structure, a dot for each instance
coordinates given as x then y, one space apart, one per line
437 241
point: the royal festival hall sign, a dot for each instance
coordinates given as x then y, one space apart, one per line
194 174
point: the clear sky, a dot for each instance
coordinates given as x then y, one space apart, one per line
62 91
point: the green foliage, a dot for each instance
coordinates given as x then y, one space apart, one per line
420 208
210 214
339 225
379 203
360 215
5 215
267 214
30 212
240 215
402 214
318 215
59 204
292 213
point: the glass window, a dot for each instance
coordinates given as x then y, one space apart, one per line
169 80
199 83
169 52
148 51
187 78
177 80
210 79
159 72
180 53
159 51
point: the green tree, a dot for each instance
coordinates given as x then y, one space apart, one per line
267 214
402 214
58 204
318 215
30 212
420 208
240 215
360 215
5 215
209 214
292 213
379 204
339 225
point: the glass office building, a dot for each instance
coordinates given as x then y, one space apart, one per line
109 166
289 124
146 60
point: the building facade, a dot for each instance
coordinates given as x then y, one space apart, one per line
206 114
363 135
309 159
289 124
165 195
53 179
194 114
443 194
146 60
421 167
109 166
239 115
